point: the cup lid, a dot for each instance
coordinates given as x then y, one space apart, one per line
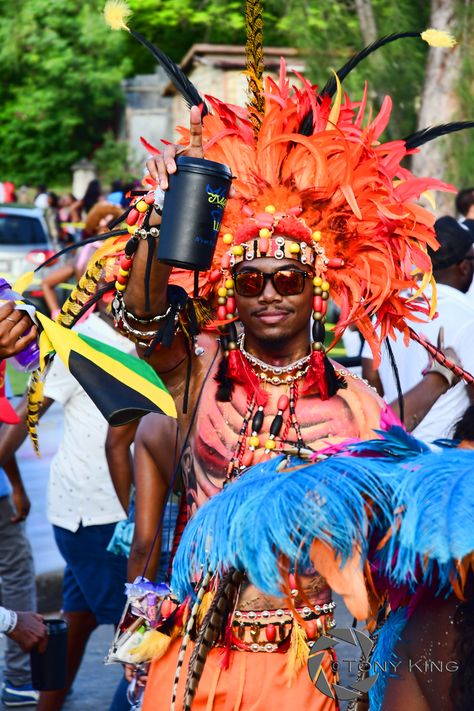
202 165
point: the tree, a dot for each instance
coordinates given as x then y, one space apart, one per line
439 99
64 68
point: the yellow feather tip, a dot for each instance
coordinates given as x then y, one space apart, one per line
116 14
23 282
154 645
336 106
438 38
428 195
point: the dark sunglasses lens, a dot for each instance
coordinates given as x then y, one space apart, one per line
249 283
289 282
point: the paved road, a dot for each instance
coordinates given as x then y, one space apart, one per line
96 682
35 475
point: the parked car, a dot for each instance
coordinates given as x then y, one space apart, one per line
24 244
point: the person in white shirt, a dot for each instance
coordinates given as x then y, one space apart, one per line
453 267
82 505
41 199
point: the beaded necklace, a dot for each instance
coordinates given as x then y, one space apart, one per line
266 367
289 376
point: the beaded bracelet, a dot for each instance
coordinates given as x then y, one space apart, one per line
120 312
121 316
151 319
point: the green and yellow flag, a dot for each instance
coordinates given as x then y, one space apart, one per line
121 386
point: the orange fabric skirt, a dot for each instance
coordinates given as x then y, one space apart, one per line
254 681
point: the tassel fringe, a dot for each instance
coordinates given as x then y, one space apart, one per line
298 652
321 377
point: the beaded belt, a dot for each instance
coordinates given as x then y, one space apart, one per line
270 630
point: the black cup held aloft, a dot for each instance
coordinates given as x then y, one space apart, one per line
192 213
48 668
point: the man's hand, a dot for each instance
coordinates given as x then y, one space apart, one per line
13 325
30 631
434 367
21 503
161 165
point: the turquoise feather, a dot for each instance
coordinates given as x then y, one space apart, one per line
266 513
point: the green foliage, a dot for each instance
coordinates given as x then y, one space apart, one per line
60 98
64 68
112 160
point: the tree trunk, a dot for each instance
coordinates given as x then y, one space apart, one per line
439 100
368 26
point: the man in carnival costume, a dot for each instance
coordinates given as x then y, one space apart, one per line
320 208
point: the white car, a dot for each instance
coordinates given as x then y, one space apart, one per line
24 244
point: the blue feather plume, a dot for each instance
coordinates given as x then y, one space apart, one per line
394 443
384 655
436 498
267 512
281 506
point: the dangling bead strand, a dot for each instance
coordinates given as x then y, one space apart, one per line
238 451
125 264
257 423
320 305
294 421
275 427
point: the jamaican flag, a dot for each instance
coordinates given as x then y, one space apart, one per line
121 386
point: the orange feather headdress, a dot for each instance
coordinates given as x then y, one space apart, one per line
315 182
339 197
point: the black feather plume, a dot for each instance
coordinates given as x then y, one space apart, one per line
329 89
185 87
331 86
415 140
78 245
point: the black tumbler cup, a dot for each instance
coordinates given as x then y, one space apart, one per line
192 213
48 668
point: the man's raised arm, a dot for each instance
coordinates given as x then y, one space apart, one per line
140 316
159 167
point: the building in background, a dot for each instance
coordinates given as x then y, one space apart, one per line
153 108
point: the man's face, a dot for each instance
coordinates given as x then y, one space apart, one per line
271 316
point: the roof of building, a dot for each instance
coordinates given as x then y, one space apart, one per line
231 56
